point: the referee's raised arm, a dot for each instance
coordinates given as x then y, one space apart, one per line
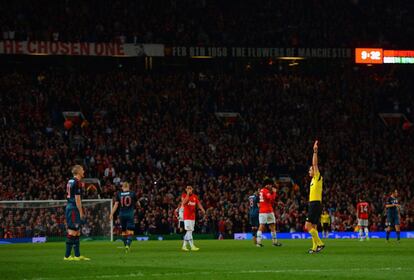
315 157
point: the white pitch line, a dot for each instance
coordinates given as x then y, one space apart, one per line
168 274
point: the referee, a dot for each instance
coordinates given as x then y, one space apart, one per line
315 208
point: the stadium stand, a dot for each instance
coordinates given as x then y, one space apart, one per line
160 132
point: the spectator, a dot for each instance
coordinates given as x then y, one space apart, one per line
162 134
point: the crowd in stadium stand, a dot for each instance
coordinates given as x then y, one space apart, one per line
160 133
40 222
317 23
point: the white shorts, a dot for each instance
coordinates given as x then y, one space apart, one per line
363 222
267 218
189 224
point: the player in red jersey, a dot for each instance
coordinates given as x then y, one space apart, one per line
362 210
267 198
190 201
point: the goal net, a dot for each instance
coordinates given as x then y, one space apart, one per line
46 218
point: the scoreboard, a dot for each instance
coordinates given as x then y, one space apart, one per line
381 56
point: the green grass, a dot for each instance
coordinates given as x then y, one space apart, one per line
217 259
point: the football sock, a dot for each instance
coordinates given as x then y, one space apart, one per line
76 246
366 232
190 238
124 239
312 233
360 232
398 235
259 237
129 240
185 239
317 239
254 233
388 235
274 237
315 236
69 245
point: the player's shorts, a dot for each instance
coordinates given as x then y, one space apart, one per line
127 222
189 225
363 222
314 212
254 220
267 218
392 219
325 227
73 219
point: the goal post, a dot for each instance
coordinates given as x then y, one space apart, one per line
46 218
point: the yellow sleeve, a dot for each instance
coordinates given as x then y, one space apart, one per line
317 175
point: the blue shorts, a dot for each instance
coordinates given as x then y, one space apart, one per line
127 222
393 219
73 219
254 220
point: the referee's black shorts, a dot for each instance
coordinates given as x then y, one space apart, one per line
314 212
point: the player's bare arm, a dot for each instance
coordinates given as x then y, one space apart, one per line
392 205
79 206
315 157
114 208
201 208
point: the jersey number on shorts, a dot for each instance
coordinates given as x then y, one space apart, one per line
126 201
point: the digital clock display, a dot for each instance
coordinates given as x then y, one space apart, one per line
368 55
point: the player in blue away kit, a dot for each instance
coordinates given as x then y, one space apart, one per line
254 214
127 201
393 215
74 215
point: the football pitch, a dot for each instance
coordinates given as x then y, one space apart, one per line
217 259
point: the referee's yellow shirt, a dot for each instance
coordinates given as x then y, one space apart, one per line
325 219
315 193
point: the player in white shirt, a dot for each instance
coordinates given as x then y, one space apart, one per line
180 215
